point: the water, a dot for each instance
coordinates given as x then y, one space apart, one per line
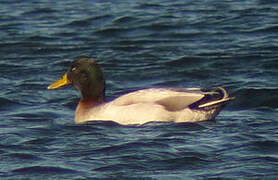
139 44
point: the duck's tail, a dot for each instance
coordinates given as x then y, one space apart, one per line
214 98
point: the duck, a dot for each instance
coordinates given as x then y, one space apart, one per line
138 107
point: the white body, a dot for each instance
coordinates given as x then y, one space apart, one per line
139 107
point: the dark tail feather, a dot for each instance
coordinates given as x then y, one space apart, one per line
214 98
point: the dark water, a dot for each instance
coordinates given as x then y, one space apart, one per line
139 44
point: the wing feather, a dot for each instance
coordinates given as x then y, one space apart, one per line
171 99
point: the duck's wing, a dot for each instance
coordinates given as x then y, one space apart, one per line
177 99
171 99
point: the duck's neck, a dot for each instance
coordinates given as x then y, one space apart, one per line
93 94
84 106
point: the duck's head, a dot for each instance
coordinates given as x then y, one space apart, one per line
86 75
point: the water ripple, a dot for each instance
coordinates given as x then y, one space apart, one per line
139 44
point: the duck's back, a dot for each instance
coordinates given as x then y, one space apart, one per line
174 99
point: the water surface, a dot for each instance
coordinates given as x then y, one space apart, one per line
139 44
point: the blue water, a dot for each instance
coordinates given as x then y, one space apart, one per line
139 44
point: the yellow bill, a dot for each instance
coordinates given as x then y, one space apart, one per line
61 82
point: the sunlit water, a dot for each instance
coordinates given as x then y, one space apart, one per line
139 44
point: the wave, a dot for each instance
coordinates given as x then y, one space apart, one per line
39 11
95 20
255 98
6 103
43 169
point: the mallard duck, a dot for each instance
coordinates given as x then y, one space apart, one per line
138 107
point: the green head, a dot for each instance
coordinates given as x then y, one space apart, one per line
85 74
